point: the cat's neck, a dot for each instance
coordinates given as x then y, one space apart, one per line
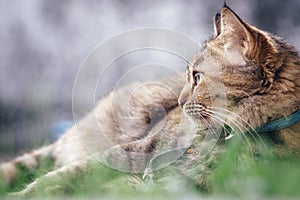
290 137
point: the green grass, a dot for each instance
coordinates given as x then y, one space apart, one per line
238 173
25 176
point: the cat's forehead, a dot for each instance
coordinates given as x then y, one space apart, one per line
203 61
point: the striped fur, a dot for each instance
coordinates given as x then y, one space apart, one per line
258 81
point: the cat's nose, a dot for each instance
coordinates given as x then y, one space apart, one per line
181 102
184 95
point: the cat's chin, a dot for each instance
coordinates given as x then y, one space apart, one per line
201 123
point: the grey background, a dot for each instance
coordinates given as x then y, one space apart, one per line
44 42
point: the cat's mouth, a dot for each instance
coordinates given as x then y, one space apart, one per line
202 121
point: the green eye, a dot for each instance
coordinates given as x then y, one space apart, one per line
198 76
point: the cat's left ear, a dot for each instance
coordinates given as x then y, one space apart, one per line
241 42
233 32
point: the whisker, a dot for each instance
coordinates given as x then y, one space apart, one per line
197 110
252 130
240 130
220 121
237 125
236 115
209 126
211 130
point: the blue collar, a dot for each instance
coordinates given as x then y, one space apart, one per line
280 123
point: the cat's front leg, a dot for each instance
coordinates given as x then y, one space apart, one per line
55 180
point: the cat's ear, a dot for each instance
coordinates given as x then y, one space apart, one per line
233 32
217 24
240 41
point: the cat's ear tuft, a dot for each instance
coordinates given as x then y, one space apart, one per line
217 24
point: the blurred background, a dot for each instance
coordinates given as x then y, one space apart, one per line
43 43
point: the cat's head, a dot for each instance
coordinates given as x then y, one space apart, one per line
243 70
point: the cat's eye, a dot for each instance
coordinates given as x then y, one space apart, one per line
198 76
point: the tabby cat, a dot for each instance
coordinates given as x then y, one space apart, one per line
242 79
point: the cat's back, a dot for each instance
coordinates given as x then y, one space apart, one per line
125 115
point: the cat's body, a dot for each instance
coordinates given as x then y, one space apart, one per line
243 78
